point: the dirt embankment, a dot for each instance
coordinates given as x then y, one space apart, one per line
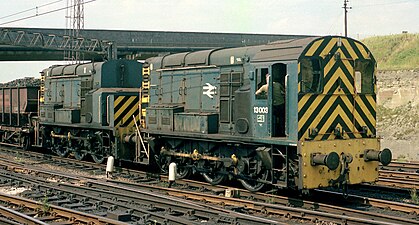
398 112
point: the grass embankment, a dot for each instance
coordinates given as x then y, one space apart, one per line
395 52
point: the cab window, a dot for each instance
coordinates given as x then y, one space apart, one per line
364 77
311 76
261 81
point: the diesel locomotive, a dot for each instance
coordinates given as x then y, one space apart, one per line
314 125
298 113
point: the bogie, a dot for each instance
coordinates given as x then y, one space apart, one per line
216 162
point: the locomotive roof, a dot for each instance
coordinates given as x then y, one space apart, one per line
72 69
284 50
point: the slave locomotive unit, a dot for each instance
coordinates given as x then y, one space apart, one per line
88 108
297 113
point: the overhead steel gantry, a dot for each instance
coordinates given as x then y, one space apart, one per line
25 41
30 44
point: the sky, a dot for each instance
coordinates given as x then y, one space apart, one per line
310 17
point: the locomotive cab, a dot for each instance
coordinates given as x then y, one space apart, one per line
269 83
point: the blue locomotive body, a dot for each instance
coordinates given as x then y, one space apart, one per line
271 114
83 108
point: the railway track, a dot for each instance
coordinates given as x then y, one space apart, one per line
397 182
17 210
142 208
399 175
406 180
258 204
99 198
402 166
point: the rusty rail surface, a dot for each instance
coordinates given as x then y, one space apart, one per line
140 207
27 211
283 207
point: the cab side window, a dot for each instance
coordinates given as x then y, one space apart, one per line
311 75
260 81
364 76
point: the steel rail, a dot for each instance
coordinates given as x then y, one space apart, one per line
106 203
351 216
379 203
58 212
399 175
398 183
262 197
19 217
158 201
200 209
395 165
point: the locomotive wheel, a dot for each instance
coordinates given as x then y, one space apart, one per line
97 156
78 145
98 159
214 178
215 175
253 185
181 171
61 151
79 155
163 163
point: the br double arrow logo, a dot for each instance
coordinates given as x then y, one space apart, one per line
209 90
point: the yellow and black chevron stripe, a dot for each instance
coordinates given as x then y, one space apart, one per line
337 105
42 89
145 95
124 108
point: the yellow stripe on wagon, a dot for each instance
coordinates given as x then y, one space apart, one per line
329 66
328 47
118 100
314 47
124 106
128 116
309 111
343 107
350 49
365 110
145 95
137 118
303 101
121 116
362 50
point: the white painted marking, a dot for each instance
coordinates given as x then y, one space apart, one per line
209 90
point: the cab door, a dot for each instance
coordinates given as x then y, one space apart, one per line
277 99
